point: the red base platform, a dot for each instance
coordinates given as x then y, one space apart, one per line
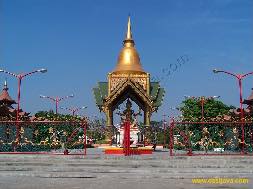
133 151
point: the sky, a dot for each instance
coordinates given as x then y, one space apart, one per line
78 41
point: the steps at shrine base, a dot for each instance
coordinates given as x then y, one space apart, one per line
132 150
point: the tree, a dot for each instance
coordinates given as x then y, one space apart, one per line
204 135
192 111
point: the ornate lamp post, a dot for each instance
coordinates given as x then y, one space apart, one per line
164 130
56 100
74 110
20 76
239 78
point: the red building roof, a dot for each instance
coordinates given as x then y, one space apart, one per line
5 97
249 101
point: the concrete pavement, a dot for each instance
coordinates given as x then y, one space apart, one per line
101 171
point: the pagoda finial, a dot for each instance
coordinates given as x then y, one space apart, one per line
5 84
129 32
129 42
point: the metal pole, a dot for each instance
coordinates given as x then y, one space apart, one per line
18 109
19 85
56 105
202 112
171 137
164 132
202 108
242 115
84 133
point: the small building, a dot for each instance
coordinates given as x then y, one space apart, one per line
7 111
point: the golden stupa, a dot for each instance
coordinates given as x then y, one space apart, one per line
128 81
128 60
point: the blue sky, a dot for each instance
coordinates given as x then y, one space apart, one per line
78 41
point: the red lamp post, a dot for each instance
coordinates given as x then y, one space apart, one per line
164 131
20 77
239 77
171 121
74 110
56 100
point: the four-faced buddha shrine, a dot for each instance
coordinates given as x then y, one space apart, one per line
128 81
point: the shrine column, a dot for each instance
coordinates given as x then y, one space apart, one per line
109 124
147 116
109 117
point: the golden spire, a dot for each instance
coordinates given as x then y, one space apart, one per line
128 42
129 32
128 60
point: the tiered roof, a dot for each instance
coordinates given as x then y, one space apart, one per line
5 97
249 101
6 102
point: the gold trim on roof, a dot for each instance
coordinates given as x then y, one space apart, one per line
135 86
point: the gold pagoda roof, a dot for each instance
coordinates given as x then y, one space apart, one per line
128 60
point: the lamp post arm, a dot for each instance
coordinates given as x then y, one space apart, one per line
66 108
74 110
51 98
250 73
229 73
65 97
30 73
4 71
80 108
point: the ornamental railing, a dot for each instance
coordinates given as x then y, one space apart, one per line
76 137
43 137
210 138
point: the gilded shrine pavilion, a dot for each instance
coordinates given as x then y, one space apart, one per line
128 81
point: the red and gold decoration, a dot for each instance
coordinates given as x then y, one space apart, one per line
128 81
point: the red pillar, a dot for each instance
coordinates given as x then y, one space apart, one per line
126 138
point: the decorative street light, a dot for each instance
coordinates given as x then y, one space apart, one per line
164 130
239 77
74 110
56 100
20 77
167 124
202 99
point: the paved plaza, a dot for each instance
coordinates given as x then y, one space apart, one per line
102 171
